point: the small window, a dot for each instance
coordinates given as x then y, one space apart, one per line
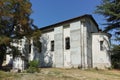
101 45
67 43
66 25
52 45
29 48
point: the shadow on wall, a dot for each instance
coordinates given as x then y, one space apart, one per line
46 57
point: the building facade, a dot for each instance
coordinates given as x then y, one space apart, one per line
76 42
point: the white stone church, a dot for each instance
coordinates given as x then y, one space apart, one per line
74 43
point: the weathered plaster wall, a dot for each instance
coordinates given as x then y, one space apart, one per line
91 28
101 58
66 52
59 47
47 56
18 62
9 59
75 50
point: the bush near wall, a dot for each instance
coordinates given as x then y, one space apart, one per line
33 66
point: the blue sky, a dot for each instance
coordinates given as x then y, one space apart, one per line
47 12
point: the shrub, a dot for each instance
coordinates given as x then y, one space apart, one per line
96 68
109 68
33 67
33 63
79 67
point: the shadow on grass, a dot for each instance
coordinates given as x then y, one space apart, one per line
6 68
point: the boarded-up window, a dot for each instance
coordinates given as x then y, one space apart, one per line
67 43
52 45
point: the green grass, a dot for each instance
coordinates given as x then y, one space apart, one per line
7 75
63 74
105 72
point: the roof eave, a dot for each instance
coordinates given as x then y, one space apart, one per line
70 20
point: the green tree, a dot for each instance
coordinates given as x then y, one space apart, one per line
15 23
115 58
4 33
110 9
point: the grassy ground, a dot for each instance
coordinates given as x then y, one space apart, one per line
63 74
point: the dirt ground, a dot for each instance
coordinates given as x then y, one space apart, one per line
63 74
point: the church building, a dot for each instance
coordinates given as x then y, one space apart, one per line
74 43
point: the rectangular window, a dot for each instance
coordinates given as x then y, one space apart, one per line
52 45
66 25
29 48
101 45
67 43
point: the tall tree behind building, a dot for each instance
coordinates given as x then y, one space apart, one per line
110 9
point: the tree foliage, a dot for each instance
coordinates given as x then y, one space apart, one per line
110 9
15 22
115 58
